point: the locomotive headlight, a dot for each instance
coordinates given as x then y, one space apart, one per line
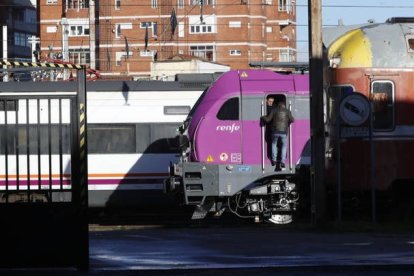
254 207
290 187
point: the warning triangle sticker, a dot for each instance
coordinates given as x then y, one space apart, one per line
210 158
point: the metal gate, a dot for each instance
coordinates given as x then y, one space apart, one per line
43 175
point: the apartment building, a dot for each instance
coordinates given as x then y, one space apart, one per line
121 38
18 19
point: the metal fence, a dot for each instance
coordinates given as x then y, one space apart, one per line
43 177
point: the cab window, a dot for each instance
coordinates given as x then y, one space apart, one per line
229 110
382 97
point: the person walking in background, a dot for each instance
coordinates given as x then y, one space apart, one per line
280 119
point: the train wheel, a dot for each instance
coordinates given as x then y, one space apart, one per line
281 218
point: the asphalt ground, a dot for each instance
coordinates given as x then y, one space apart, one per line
166 242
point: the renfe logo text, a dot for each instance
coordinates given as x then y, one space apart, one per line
228 128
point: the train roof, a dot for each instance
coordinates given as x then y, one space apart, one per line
257 81
197 78
381 45
282 67
107 86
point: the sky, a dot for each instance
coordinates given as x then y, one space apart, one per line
350 12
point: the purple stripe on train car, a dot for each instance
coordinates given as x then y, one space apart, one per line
34 182
90 182
124 181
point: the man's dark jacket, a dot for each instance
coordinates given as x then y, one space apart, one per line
280 118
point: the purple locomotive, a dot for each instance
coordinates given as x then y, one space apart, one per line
225 162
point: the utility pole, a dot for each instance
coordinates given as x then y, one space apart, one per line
92 34
65 44
318 187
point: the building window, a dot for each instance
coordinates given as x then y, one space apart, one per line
146 53
202 2
196 26
181 32
154 4
269 56
201 29
117 4
286 55
120 27
21 39
382 97
77 4
284 6
152 26
235 52
18 14
203 51
79 56
181 4
78 30
234 24
118 30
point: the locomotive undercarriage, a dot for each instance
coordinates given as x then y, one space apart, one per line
273 198
280 202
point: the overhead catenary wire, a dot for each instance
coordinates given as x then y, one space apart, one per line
137 41
12 5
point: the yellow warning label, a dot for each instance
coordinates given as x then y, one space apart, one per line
210 158
244 75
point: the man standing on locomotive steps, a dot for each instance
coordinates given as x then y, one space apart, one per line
280 118
268 131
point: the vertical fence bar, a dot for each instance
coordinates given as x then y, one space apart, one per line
60 146
372 164
49 133
28 149
6 149
80 186
39 157
17 151
338 161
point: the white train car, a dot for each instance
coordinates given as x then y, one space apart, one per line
131 128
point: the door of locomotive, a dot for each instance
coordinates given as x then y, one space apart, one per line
256 138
